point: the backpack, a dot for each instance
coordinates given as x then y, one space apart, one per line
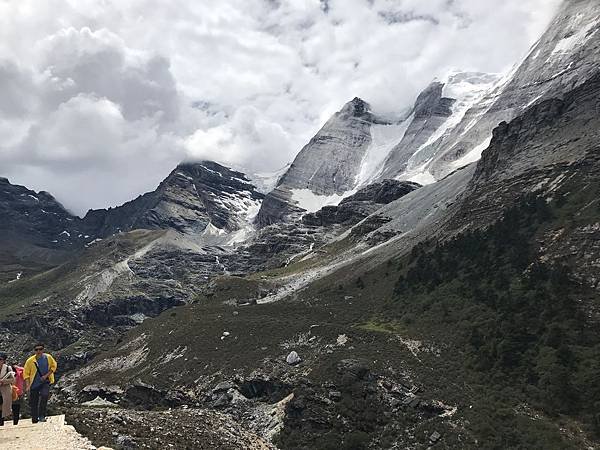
19 382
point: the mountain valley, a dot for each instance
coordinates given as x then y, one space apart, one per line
426 283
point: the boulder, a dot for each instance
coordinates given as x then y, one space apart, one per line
293 358
223 386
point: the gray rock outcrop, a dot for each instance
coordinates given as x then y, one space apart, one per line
365 202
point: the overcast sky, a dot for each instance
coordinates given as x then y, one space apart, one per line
99 100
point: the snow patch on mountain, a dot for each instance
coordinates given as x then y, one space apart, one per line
311 202
467 89
419 175
383 139
474 93
265 182
473 155
569 43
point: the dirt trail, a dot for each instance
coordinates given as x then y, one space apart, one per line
51 435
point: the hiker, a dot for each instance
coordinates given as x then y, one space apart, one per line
38 374
7 378
17 393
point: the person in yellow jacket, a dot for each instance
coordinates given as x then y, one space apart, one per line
38 374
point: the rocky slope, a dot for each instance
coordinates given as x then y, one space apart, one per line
36 232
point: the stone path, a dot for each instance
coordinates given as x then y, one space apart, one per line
54 434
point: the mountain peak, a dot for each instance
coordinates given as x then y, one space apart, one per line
356 107
193 196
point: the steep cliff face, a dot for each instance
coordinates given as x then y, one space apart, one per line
329 163
564 57
431 110
326 168
37 214
440 107
552 151
535 152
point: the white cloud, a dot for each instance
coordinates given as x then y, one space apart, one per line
99 100
247 140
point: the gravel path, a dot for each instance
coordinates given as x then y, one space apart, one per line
52 435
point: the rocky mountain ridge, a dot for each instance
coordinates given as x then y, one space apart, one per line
35 231
450 123
192 197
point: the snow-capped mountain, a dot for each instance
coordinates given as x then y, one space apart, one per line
437 110
383 288
449 125
326 168
563 58
356 148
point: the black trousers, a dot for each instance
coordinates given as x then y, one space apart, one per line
16 410
38 399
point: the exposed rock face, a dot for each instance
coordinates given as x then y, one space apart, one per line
440 106
382 193
549 137
551 150
36 232
565 57
365 202
193 196
430 111
39 216
277 245
329 164
277 207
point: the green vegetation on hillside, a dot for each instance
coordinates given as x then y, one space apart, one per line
521 324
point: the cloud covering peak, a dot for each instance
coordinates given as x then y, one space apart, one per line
100 100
